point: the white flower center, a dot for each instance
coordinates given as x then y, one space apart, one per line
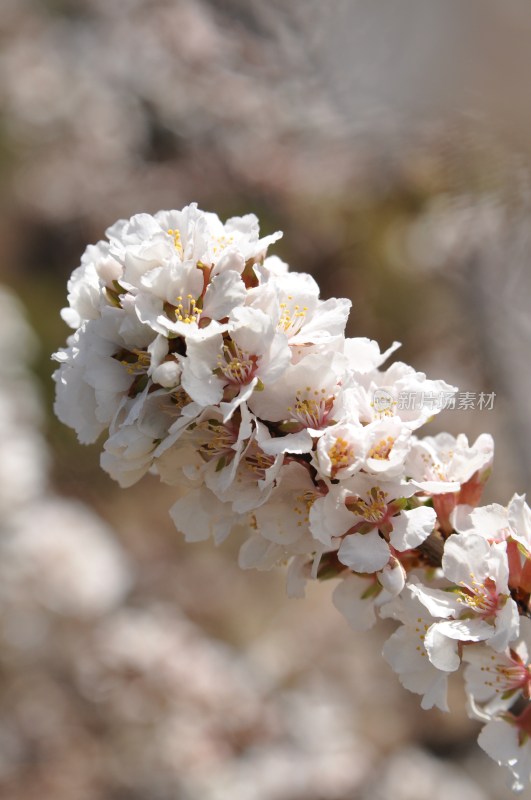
176 235
374 508
506 677
186 310
480 597
383 409
178 399
421 628
135 361
302 506
291 318
312 412
221 243
341 454
236 364
217 439
438 471
256 463
382 449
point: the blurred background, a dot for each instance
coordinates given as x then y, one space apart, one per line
390 142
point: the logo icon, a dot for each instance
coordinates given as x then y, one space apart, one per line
382 401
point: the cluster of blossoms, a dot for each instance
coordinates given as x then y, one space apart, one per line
212 366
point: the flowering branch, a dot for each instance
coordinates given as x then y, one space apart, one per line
211 365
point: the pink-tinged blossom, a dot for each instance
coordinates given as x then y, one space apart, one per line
228 368
444 463
306 394
374 513
388 444
477 607
496 523
341 451
451 470
493 676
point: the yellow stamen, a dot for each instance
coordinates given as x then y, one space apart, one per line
176 239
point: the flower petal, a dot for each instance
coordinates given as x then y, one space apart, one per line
366 552
411 528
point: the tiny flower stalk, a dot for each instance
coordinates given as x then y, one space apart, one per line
444 505
523 722
432 549
519 560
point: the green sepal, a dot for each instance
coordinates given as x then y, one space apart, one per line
521 549
372 591
508 694
112 298
289 427
328 572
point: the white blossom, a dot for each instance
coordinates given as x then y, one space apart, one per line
509 746
341 450
292 302
405 651
357 599
407 395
